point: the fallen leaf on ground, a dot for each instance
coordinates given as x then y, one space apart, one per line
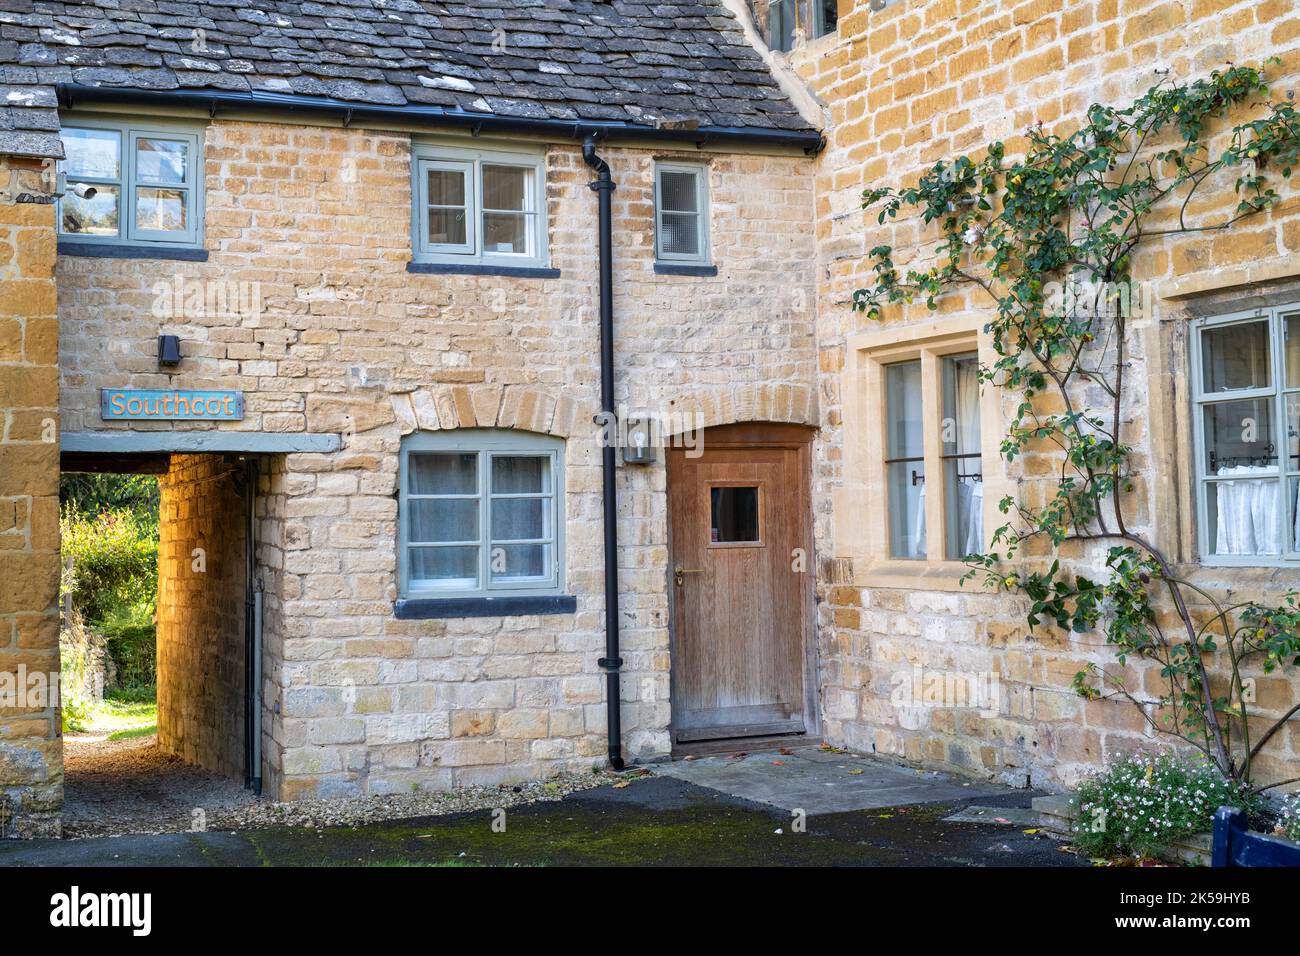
856 773
1030 832
779 763
622 783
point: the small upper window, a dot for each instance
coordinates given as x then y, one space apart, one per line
130 183
481 513
785 19
826 15
1246 397
681 214
780 25
479 206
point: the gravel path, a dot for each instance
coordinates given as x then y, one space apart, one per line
130 786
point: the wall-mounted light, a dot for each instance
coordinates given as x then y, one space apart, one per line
169 350
639 449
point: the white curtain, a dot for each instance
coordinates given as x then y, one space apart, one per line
1247 520
970 503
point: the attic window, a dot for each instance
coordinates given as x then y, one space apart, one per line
784 17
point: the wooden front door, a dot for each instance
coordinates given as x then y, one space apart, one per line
740 572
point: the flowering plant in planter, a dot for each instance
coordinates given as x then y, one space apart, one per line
1143 803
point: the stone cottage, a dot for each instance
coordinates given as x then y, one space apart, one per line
442 322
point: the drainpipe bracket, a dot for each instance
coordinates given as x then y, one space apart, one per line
610 664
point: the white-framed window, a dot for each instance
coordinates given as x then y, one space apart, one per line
932 446
481 513
682 214
1245 370
132 182
479 206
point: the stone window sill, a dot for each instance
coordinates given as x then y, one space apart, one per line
106 250
907 575
479 269
423 609
668 269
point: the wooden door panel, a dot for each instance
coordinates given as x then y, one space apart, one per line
740 610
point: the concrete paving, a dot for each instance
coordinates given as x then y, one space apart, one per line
649 821
824 781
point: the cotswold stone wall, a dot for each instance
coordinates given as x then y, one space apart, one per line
201 588
31 750
315 222
923 80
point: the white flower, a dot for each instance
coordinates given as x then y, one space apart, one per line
972 235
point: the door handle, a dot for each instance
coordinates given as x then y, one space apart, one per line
680 573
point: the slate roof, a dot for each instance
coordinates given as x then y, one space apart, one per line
644 63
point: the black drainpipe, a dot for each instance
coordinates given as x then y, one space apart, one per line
611 662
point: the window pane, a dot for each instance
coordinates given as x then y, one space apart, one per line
960 434
505 187
449 567
446 187
1246 515
906 475
1292 460
444 474
1292 351
516 519
734 514
678 192
1292 530
520 562
505 232
520 474
161 160
95 153
1235 356
447 226
1240 434
97 216
443 519
780 24
160 210
829 17
681 233
903 397
906 509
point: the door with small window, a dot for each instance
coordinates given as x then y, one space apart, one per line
740 575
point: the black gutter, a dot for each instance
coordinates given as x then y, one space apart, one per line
71 94
603 186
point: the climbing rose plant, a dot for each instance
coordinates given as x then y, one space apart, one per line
1072 214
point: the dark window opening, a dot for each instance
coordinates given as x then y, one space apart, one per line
734 515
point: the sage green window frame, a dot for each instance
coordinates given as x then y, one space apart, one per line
824 22
703 256
781 25
486 444
470 162
1283 399
129 182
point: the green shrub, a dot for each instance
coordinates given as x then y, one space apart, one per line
110 561
129 633
1141 804
76 714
